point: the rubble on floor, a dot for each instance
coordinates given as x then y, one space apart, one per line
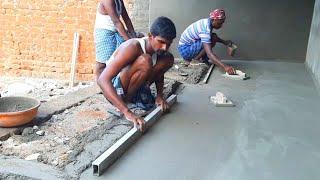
71 139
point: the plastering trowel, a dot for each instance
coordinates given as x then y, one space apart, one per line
220 100
238 76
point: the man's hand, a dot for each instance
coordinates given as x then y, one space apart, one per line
230 70
137 121
162 103
228 43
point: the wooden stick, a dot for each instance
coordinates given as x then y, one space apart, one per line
75 50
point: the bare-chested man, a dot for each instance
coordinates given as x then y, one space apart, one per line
135 65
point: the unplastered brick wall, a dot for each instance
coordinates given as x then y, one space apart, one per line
36 37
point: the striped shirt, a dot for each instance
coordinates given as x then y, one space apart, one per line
199 30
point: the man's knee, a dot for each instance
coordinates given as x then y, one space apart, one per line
168 59
100 66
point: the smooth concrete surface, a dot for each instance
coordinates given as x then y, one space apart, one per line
272 133
272 30
313 55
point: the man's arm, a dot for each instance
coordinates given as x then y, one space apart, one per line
122 58
159 85
216 60
128 21
160 101
164 63
218 39
110 7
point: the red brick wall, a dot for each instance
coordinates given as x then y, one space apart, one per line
36 37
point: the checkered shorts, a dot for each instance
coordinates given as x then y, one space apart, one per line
142 99
106 42
188 52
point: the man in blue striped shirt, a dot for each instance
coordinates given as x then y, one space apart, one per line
197 40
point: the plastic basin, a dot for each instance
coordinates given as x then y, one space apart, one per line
16 111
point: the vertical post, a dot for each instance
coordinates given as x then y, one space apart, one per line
75 50
149 9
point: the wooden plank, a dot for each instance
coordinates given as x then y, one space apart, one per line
116 150
205 80
75 50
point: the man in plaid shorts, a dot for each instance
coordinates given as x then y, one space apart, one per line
197 40
109 31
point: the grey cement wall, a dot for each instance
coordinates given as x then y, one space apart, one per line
263 29
139 13
313 53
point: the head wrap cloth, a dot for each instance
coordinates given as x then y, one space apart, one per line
218 14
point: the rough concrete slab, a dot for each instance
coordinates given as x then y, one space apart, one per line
21 169
41 89
73 137
272 133
194 72
65 134
94 143
59 104
99 142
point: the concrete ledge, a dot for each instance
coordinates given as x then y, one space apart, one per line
22 169
47 109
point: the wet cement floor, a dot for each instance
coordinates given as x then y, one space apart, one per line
272 133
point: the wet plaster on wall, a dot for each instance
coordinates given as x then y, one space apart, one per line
258 35
271 133
313 56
